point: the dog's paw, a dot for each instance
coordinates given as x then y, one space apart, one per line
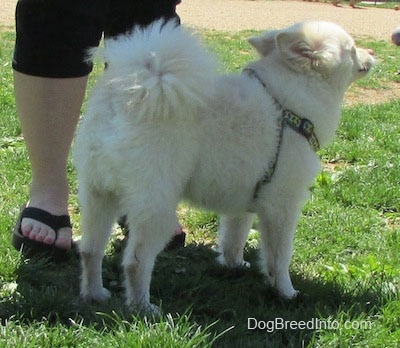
99 295
243 265
232 263
284 289
288 294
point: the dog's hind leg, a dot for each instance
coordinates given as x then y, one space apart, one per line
146 240
277 227
98 212
232 234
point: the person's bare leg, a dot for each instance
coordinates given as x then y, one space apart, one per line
49 110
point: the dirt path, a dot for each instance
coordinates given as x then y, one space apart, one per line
233 15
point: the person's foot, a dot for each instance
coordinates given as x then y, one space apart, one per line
40 232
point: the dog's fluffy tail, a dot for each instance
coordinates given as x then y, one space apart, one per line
161 72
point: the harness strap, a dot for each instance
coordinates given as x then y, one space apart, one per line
300 125
267 177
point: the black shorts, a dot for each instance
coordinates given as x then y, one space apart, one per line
53 35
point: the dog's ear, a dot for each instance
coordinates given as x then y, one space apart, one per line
304 53
263 44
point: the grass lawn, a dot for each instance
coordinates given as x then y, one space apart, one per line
346 259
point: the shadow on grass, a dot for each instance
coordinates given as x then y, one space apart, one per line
186 280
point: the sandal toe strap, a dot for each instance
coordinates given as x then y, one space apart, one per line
53 221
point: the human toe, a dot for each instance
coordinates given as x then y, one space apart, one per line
64 238
46 236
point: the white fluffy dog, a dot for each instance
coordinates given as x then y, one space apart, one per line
162 126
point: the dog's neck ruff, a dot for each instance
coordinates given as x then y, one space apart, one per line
303 126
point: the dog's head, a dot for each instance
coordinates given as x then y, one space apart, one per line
317 47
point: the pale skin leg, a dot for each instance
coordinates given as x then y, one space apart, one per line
48 110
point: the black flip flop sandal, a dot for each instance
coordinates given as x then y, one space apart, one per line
30 248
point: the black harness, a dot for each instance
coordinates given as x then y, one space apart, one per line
300 125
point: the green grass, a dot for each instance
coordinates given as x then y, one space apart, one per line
346 259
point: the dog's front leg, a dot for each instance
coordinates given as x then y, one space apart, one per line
277 228
232 235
